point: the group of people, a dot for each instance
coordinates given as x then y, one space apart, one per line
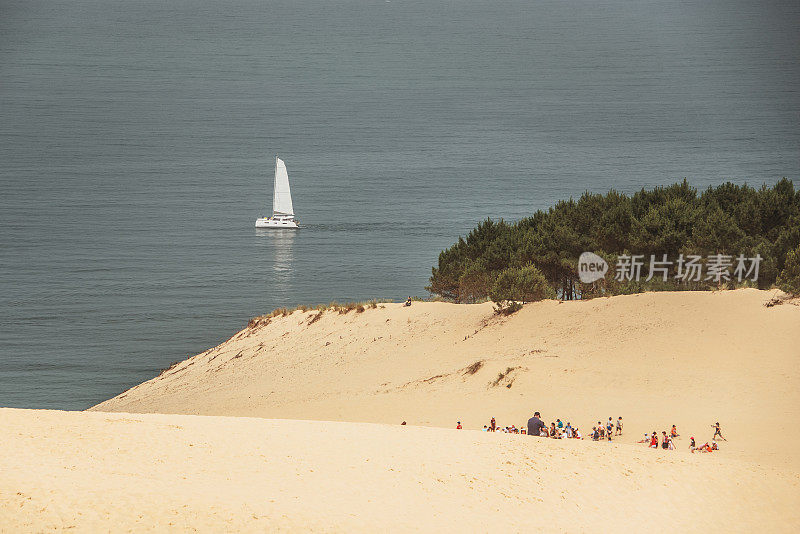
560 430
601 432
703 448
557 429
492 427
668 440
706 447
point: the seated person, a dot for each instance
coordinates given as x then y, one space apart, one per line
705 447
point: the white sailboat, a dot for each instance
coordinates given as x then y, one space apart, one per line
282 209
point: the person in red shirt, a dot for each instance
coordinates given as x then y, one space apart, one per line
458 426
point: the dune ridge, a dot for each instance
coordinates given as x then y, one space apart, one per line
656 359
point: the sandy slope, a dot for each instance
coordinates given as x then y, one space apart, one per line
98 472
656 359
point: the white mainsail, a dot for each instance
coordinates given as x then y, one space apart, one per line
282 196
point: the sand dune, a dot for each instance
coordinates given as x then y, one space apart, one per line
93 472
656 359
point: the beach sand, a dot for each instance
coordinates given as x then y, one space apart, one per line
92 472
294 424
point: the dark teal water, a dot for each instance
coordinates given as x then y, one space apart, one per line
137 142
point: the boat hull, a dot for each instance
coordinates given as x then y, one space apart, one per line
277 224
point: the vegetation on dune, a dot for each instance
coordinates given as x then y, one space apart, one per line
537 257
342 309
524 284
515 285
789 279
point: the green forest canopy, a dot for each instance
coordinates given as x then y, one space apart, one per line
724 226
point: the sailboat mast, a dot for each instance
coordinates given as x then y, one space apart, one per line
275 186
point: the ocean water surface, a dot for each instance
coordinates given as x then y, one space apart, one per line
137 144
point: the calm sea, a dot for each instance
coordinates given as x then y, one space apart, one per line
137 144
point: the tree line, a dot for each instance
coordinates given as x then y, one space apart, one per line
537 257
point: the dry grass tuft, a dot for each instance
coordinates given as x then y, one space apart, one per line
509 308
474 368
170 368
501 376
316 317
342 309
257 322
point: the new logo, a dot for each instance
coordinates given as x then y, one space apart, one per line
591 267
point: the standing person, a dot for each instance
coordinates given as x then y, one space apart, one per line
535 425
619 426
717 432
493 425
609 427
664 442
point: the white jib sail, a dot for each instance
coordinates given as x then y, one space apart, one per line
282 196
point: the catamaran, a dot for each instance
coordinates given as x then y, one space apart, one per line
282 209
